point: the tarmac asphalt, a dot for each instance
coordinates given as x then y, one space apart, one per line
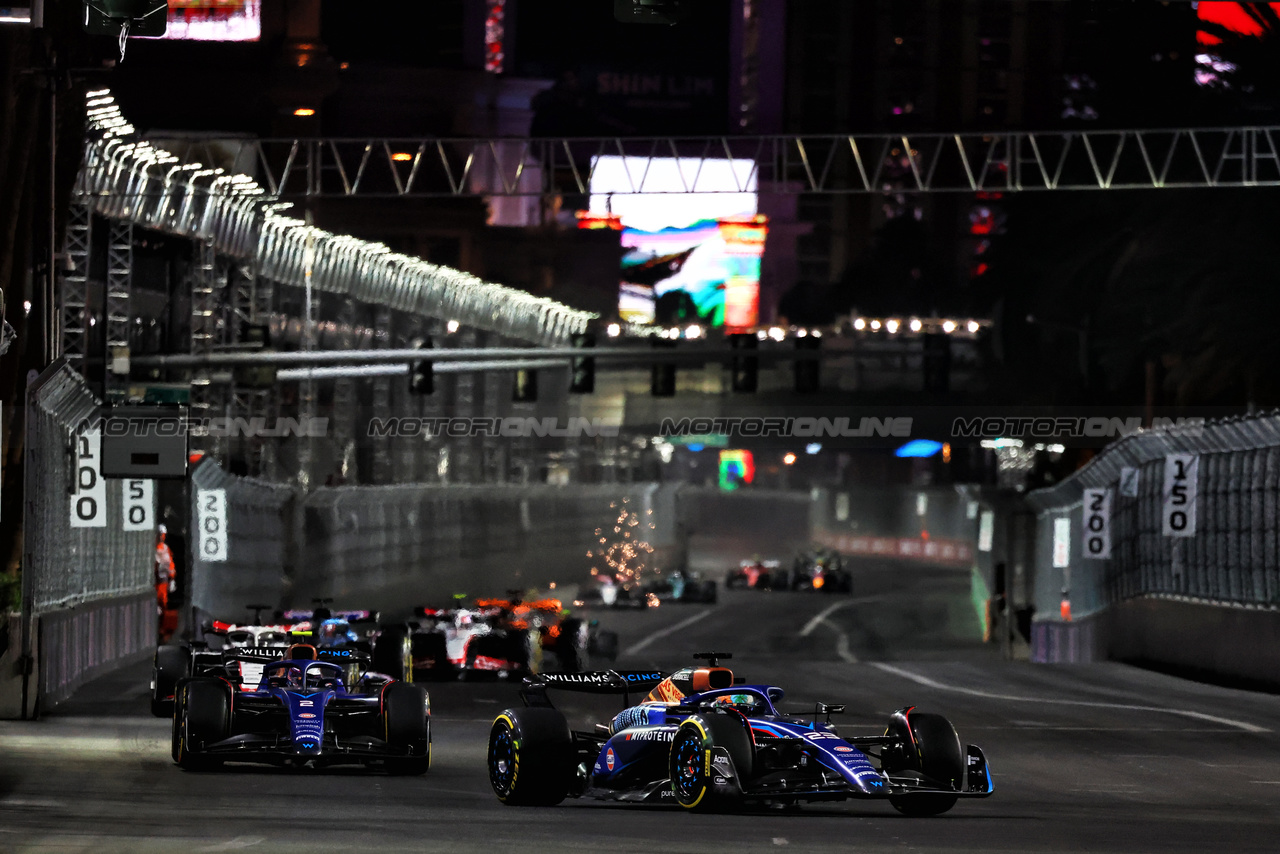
1101 757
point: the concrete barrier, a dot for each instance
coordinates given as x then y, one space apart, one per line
77 644
11 669
391 547
1200 638
949 552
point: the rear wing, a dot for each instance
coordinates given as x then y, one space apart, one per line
299 616
256 653
623 682
221 627
248 662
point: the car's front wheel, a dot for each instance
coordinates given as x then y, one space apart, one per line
406 722
932 749
531 757
691 757
202 716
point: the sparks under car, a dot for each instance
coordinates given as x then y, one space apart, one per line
703 741
309 708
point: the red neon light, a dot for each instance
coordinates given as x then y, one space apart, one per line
1230 15
494 32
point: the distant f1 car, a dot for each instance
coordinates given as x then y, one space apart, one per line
681 586
384 648
759 574
703 741
821 569
677 586
358 630
816 569
505 637
310 708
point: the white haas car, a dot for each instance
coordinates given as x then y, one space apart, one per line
173 662
453 642
505 638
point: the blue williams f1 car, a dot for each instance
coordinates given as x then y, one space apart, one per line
702 740
302 707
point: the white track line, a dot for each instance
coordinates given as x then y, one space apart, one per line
662 633
842 643
827 612
1186 713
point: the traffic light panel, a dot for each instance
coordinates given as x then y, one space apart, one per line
582 372
421 373
746 369
526 387
807 371
108 17
663 383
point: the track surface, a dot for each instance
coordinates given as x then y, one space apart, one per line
1096 758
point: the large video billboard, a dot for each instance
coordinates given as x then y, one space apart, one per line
215 20
690 256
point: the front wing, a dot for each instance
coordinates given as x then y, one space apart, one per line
820 785
279 749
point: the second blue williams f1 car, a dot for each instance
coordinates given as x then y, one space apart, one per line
304 707
702 740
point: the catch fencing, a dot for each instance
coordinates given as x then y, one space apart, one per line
126 178
88 599
1228 557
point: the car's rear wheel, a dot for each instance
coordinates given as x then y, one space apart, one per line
170 664
430 655
393 654
690 758
932 749
202 716
604 643
571 646
531 757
